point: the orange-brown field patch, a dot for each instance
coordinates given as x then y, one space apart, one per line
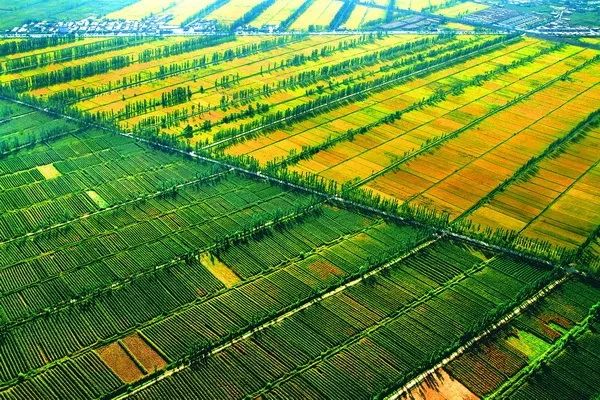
144 353
324 269
441 387
117 359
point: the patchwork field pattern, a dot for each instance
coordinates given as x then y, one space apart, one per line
299 216
464 125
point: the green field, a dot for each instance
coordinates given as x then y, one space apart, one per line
298 216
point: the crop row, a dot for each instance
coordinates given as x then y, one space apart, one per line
359 341
484 368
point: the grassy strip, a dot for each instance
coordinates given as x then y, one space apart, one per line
543 362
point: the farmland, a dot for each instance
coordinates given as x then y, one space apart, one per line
318 15
132 256
299 215
416 102
516 351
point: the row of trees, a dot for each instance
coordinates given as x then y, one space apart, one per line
63 98
204 12
477 327
196 43
175 96
286 23
245 96
351 91
343 14
30 44
438 96
70 53
69 73
252 14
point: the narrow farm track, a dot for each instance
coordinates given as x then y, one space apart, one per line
358 112
282 317
402 391
437 143
28 145
343 99
12 118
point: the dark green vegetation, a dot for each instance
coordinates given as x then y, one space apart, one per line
160 263
104 238
525 357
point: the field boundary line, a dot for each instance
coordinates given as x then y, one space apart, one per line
396 395
284 316
38 141
359 93
442 139
13 117
263 176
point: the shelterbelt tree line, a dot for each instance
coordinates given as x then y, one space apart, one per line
299 216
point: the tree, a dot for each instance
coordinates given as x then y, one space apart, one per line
188 132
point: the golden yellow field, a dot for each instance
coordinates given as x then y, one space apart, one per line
275 14
183 9
418 5
362 14
319 14
141 9
232 11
